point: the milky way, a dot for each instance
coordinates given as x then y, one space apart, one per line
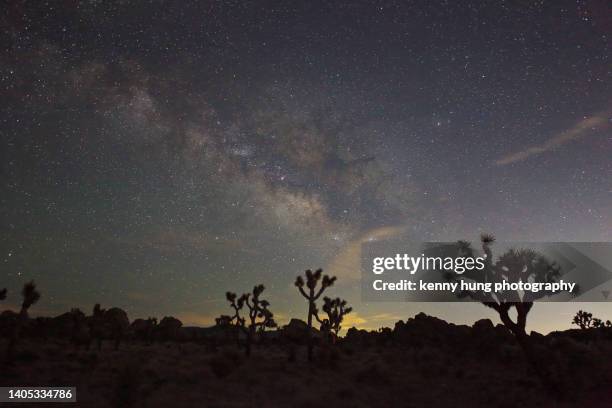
156 154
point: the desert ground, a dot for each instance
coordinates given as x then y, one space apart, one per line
424 362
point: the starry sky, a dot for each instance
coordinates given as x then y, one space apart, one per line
157 154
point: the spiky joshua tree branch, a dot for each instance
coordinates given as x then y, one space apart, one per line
513 265
312 294
335 309
259 315
30 297
583 319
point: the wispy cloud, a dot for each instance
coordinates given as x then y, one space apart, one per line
581 129
346 265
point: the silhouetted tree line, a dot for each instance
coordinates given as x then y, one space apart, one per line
585 320
259 317
251 315
103 324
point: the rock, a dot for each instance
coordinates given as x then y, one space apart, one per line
168 328
296 331
111 324
483 325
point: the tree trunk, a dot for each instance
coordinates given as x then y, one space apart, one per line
309 334
524 341
537 364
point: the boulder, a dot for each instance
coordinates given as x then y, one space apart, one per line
168 328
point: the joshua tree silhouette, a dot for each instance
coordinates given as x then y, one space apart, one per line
30 296
3 294
513 266
335 309
585 320
599 324
582 319
259 316
312 279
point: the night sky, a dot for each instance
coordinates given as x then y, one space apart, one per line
157 154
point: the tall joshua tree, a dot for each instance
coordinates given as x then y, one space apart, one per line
312 294
259 317
335 309
514 265
30 296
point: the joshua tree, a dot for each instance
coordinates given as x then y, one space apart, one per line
335 309
223 320
30 296
584 320
235 320
236 303
312 279
513 266
259 316
599 324
3 294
